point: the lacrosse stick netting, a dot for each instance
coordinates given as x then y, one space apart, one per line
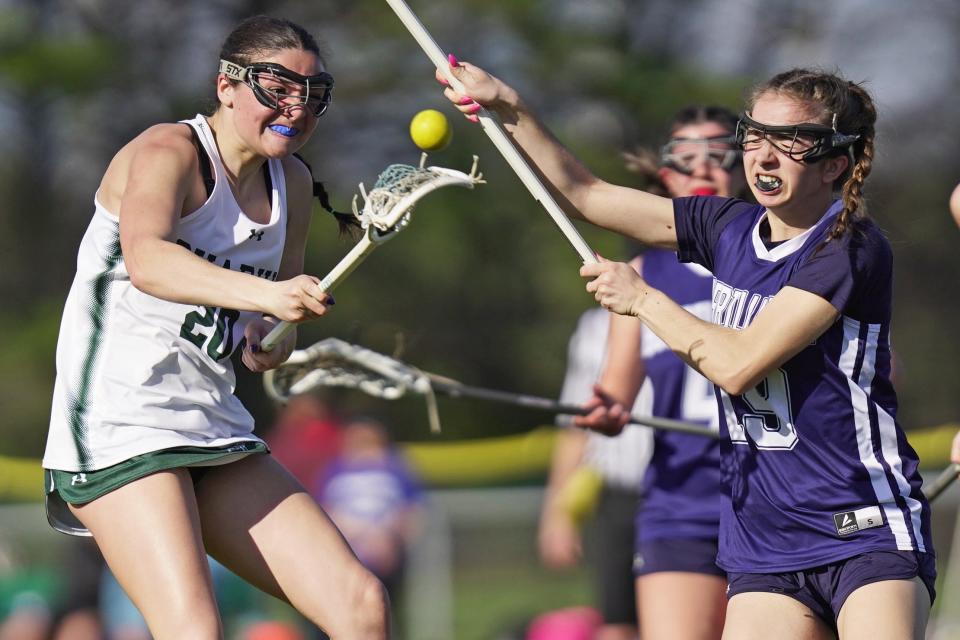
386 211
335 363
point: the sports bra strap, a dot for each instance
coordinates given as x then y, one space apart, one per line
206 173
204 161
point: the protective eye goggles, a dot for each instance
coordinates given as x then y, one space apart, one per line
279 88
806 142
684 154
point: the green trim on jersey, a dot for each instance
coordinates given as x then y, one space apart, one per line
98 311
82 487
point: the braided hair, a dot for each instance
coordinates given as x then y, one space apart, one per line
829 96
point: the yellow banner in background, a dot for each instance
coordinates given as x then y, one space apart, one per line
466 463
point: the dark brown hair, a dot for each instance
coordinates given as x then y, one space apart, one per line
258 35
828 95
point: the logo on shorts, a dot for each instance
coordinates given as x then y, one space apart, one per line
638 561
848 522
78 478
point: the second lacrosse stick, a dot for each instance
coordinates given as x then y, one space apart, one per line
335 363
386 212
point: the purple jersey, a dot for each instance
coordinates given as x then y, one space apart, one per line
815 469
370 489
681 488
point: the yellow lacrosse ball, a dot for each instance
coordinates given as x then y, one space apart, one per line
430 130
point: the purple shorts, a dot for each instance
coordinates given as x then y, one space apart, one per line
824 589
689 555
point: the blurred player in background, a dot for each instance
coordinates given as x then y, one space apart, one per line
824 527
681 592
195 251
582 458
375 499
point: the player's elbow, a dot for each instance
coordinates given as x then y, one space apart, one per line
139 267
738 379
140 278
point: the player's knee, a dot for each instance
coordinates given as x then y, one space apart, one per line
370 607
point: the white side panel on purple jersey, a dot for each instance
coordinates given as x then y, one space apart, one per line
905 531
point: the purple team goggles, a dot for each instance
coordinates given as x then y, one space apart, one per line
279 88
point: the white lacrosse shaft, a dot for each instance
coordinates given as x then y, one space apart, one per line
344 268
497 134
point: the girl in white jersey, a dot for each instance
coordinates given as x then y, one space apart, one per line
194 252
823 527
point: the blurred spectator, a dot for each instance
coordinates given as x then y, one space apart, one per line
39 605
574 623
247 612
271 630
305 436
77 616
375 500
593 472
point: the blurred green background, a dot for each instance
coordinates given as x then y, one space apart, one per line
482 287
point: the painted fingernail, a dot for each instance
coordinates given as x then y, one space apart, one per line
331 301
444 82
466 100
473 118
475 108
452 59
254 348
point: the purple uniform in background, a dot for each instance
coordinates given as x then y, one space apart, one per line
373 490
815 468
681 489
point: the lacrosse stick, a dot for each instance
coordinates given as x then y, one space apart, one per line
937 486
496 133
386 212
335 363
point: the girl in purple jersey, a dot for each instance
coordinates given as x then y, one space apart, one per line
680 589
823 524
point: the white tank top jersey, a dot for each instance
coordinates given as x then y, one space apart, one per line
621 460
137 374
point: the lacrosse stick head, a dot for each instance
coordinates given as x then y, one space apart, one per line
335 363
388 205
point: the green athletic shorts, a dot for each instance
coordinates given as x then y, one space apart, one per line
71 487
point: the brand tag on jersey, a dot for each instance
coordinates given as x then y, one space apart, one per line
849 522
